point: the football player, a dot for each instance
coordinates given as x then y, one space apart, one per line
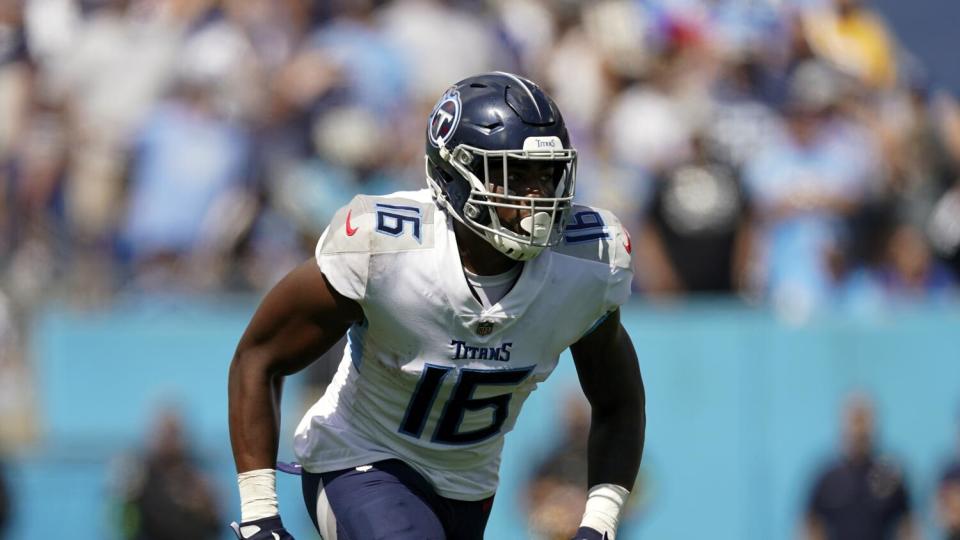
457 301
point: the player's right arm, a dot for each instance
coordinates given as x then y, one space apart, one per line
297 321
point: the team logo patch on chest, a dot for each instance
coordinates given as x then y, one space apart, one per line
484 328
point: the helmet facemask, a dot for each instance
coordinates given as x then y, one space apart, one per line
501 179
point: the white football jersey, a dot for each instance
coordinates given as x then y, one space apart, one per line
431 377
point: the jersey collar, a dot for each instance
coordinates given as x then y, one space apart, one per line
454 283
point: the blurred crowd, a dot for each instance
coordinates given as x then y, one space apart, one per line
786 151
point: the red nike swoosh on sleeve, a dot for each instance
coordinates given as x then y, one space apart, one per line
350 230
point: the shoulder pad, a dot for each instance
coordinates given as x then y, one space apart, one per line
370 224
595 234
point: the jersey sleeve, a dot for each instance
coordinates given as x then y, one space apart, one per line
597 239
621 265
343 252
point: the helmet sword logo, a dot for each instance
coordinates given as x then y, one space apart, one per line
445 118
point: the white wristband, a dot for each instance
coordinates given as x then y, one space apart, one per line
604 504
258 494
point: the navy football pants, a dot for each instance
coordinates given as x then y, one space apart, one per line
388 500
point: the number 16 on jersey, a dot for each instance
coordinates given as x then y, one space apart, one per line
461 400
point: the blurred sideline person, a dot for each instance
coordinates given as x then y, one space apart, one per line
457 301
557 491
5 506
859 495
164 495
948 499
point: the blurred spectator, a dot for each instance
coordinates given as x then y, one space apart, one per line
903 267
35 174
948 499
860 495
15 74
648 127
373 74
695 227
742 120
558 489
923 164
116 63
440 42
802 186
220 54
943 226
350 154
17 411
531 29
163 495
5 503
855 39
187 186
29 162
746 29
908 269
584 97
273 29
344 115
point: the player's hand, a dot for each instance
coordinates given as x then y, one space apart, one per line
586 533
270 528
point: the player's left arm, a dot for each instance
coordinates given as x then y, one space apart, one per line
609 374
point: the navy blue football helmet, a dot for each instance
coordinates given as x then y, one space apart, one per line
485 131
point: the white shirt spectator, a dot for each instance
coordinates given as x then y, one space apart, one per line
440 43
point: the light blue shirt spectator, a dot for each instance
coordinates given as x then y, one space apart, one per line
801 193
185 160
316 189
375 74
